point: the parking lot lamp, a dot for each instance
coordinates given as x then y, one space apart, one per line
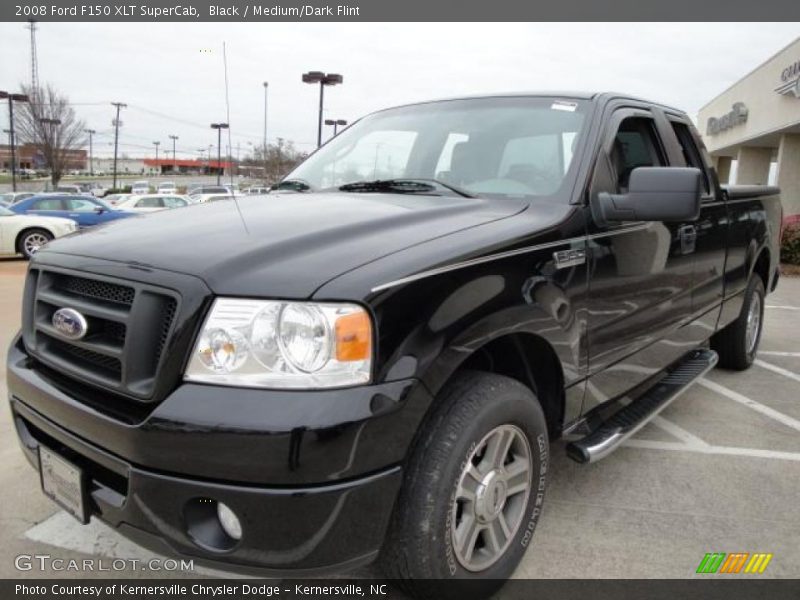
11 99
219 127
157 144
116 122
322 79
336 124
174 161
91 132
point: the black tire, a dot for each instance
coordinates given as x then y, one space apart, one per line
24 244
736 351
419 549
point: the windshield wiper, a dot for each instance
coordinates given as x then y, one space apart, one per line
292 185
402 186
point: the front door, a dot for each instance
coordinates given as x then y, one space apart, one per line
640 279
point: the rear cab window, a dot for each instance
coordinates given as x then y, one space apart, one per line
691 153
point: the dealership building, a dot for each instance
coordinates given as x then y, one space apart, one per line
752 129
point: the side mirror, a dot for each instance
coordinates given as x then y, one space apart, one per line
99 210
654 194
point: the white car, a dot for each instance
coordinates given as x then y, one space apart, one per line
140 187
25 234
202 194
152 202
10 198
167 187
114 199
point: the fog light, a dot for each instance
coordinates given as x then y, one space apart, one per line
229 521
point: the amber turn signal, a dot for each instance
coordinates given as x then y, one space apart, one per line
353 337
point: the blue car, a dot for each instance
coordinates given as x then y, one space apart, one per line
84 210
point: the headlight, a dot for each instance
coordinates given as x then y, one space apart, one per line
273 344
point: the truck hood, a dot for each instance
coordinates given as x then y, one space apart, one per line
283 245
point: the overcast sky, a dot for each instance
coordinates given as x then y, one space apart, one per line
172 78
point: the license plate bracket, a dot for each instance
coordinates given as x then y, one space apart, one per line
64 483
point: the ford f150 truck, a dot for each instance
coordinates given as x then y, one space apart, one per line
374 364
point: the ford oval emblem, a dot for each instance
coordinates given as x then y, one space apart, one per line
70 323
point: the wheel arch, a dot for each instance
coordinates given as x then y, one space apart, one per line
27 228
761 266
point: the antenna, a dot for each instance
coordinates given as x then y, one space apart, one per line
228 120
34 60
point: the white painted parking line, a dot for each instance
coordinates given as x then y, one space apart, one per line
708 449
777 369
782 307
96 538
777 353
752 404
678 432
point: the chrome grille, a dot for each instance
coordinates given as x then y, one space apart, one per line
108 354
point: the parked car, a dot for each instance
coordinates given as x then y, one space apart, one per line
374 363
203 193
115 199
26 234
11 197
140 187
153 202
167 187
86 211
72 189
97 190
256 189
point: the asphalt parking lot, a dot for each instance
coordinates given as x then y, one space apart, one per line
718 471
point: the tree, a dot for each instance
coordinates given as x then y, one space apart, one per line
279 159
49 122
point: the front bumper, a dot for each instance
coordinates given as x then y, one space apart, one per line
311 498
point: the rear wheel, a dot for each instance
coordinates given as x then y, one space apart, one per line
737 344
473 490
32 240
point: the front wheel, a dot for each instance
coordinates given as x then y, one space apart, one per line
473 490
737 344
32 240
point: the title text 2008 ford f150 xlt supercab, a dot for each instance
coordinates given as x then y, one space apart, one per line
372 361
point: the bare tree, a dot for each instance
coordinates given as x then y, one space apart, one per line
49 122
279 159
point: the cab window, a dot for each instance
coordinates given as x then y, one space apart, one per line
636 144
691 154
48 204
79 205
149 203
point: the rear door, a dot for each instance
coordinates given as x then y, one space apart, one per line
52 206
640 282
711 233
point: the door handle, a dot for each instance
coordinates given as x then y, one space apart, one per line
688 236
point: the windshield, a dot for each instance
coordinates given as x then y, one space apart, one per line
4 212
518 146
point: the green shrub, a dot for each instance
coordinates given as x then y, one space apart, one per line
790 244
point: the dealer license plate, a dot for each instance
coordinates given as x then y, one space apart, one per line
63 482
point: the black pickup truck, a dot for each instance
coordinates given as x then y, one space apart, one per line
373 361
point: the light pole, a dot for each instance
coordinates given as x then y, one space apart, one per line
116 124
322 79
156 144
336 123
91 132
174 161
266 88
11 99
219 127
